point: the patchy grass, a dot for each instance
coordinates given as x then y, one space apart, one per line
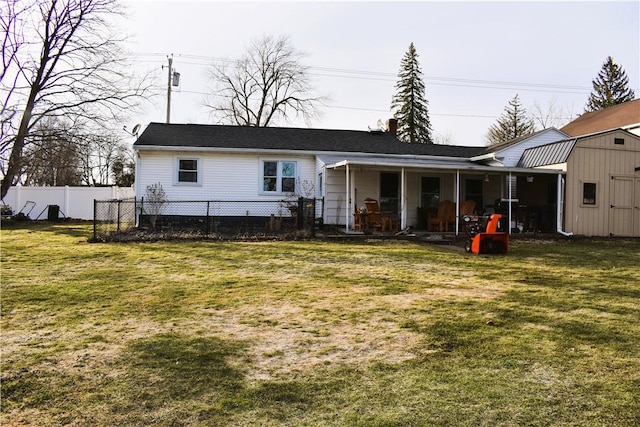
316 333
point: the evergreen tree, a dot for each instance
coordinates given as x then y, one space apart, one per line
512 124
409 104
610 88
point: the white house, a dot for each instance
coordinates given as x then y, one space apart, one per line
212 162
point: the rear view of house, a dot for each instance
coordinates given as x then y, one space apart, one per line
549 181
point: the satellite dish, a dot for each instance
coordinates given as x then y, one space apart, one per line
380 124
134 132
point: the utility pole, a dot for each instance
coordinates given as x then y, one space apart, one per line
170 73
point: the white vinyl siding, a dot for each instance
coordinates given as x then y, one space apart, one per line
513 153
222 176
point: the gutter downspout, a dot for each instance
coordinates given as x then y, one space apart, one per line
560 208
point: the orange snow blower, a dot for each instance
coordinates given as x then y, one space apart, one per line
484 237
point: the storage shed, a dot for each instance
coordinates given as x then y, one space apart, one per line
602 187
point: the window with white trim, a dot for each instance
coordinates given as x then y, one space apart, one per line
279 176
188 171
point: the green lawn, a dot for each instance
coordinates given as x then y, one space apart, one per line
318 333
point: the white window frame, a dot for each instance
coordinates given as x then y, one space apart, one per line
198 171
279 176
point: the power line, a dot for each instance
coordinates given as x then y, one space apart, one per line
388 111
391 77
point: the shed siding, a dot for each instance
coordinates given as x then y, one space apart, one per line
597 160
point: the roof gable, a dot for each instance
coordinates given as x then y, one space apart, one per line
509 153
503 145
295 139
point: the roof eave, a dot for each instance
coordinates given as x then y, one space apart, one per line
290 152
469 167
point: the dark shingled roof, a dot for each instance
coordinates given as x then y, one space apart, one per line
276 138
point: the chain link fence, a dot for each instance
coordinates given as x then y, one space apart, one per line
131 219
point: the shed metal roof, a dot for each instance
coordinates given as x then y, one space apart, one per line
549 154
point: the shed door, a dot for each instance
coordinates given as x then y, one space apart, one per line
621 206
636 210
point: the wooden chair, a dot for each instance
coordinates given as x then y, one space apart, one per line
446 214
467 207
380 221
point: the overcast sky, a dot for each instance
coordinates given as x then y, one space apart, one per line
475 56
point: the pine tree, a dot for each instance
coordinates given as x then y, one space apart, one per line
610 88
409 103
512 124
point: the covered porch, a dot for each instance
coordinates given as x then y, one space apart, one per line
410 192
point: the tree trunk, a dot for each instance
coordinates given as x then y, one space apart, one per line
14 165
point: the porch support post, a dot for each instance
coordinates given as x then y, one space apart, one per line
347 199
510 196
457 201
403 199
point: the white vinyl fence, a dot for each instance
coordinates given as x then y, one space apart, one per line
74 202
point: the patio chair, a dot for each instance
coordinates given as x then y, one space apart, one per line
380 221
445 215
467 207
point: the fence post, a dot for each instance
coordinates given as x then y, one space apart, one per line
313 218
118 220
67 197
206 233
95 209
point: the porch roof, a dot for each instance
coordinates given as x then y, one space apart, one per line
335 162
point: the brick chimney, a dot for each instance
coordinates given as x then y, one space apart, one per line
392 126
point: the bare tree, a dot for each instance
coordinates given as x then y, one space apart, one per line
101 152
267 84
65 61
153 203
551 115
444 139
12 42
52 157
123 167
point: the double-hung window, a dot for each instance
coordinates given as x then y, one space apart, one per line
188 171
279 176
